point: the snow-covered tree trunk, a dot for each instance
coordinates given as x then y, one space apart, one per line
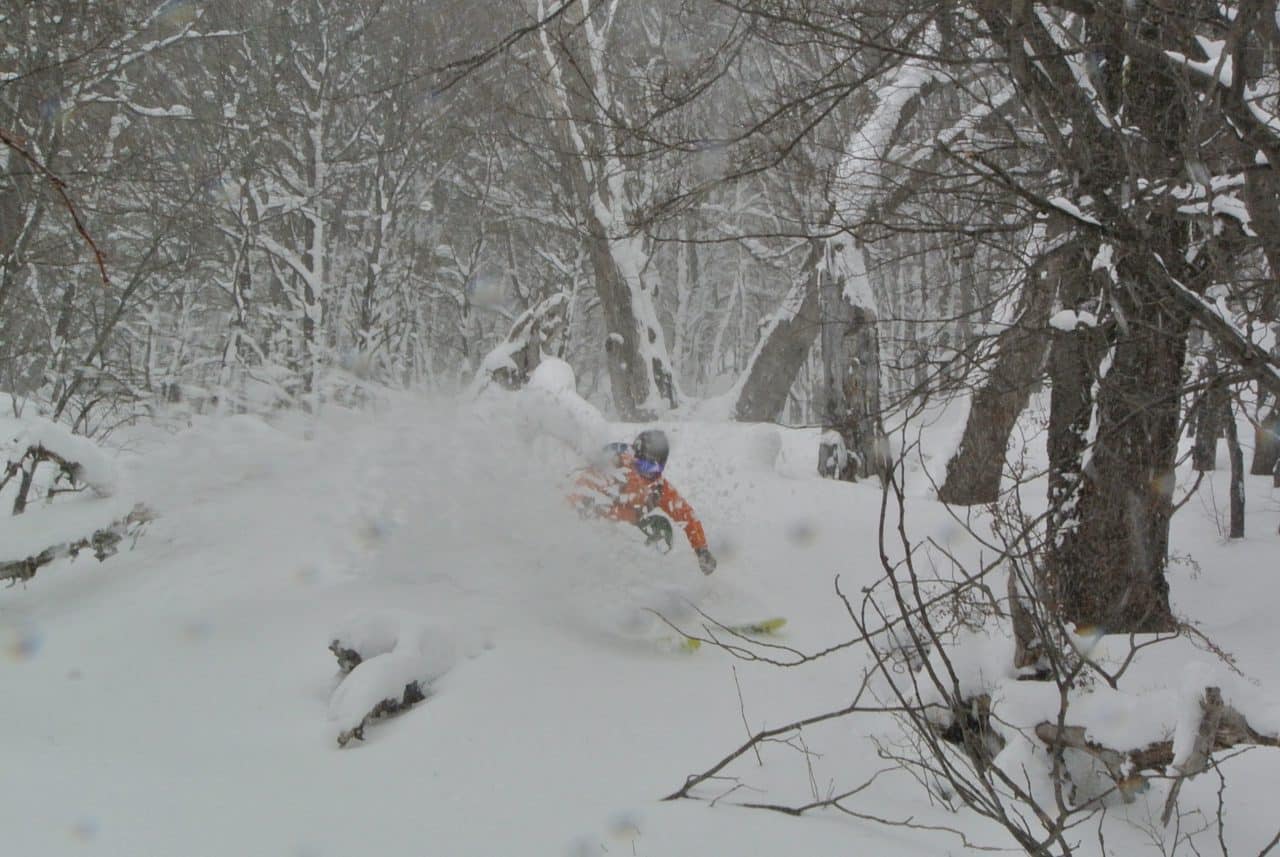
973 473
609 190
639 370
786 339
1111 567
851 366
683 324
1076 350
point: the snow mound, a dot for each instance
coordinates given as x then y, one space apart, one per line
397 649
94 468
548 406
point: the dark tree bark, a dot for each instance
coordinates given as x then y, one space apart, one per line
1261 193
1110 566
786 344
628 375
1108 553
1266 444
973 473
1237 475
1074 358
1211 415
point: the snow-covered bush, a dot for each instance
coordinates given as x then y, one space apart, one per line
44 460
548 406
1005 709
1011 711
389 659
537 334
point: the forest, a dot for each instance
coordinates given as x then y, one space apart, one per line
963 318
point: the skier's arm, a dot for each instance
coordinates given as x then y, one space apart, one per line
590 495
679 510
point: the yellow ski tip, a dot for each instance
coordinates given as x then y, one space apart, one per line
764 626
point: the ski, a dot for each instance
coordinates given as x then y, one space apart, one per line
764 626
761 627
688 645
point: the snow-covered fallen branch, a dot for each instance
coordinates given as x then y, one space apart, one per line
104 542
34 537
78 459
389 660
1186 754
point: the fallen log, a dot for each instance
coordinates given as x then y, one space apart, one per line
413 694
104 542
1221 728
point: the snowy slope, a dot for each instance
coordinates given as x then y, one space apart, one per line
176 700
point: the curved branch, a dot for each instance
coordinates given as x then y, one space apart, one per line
61 187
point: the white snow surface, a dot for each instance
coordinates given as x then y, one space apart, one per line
177 699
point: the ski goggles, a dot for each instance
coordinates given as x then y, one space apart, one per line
648 469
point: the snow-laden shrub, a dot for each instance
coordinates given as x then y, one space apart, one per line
390 659
65 496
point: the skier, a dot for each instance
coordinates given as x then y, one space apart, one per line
628 485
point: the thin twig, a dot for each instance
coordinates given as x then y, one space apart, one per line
61 187
742 709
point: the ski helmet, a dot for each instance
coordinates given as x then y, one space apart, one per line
652 445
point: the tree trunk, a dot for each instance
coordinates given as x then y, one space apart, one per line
784 345
851 367
1110 566
1266 444
973 473
1261 190
1074 358
1211 414
629 375
1237 474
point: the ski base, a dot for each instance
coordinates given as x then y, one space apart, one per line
764 626
761 627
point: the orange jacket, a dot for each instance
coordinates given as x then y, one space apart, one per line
631 497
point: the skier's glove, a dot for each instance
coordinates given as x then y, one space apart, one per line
706 561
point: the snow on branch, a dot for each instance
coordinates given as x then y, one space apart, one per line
538 332
1216 726
1256 126
1250 356
34 538
80 458
102 541
869 144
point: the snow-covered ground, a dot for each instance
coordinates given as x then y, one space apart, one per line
179 699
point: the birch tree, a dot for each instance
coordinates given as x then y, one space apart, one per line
584 53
